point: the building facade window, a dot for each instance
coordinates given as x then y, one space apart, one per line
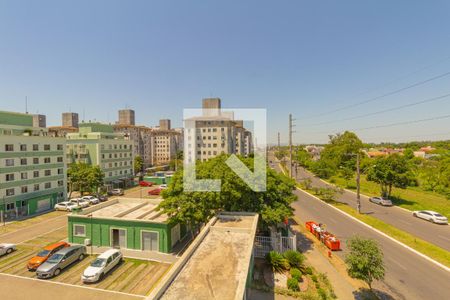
36 187
10 206
48 185
9 177
46 147
9 192
23 161
79 230
47 160
59 159
35 147
23 147
36 160
24 175
59 147
60 171
24 189
48 172
9 162
35 174
60 183
9 147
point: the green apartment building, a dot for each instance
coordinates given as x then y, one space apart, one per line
97 144
32 167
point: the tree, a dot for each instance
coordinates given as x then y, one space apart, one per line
194 208
390 171
303 158
138 164
365 260
84 177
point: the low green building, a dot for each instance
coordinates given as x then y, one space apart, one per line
125 223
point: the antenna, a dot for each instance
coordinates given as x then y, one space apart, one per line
84 115
26 104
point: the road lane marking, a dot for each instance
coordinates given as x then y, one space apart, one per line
45 233
398 264
72 285
27 227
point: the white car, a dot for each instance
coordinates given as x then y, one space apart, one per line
7 248
431 216
381 201
80 202
66 206
91 199
102 265
163 186
117 192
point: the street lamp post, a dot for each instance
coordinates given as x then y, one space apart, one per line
92 235
358 195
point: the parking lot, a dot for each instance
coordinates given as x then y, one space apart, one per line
131 276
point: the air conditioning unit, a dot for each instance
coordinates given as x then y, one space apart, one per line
87 242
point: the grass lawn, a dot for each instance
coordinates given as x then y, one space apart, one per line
412 198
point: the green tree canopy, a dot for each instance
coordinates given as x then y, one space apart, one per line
84 177
138 164
194 208
365 260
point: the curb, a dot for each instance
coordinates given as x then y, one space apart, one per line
381 233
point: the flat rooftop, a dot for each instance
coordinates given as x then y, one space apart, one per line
219 266
128 209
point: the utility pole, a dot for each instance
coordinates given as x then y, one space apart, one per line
278 141
290 144
358 196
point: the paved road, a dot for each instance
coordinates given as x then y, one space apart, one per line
31 232
408 275
398 217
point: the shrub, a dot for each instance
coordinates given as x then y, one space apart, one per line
296 273
277 261
322 294
308 271
292 284
294 258
314 278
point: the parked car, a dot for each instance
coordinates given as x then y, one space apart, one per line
80 202
381 201
117 192
163 186
102 265
102 198
145 183
66 206
43 255
7 249
431 216
154 192
91 199
61 260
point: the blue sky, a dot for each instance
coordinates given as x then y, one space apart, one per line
301 57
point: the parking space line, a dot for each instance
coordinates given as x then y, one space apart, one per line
45 233
27 227
74 286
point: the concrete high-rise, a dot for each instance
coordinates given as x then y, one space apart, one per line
126 117
164 124
39 121
70 119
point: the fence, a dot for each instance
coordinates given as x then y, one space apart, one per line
275 242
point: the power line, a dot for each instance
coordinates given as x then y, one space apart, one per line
385 110
381 96
396 124
411 136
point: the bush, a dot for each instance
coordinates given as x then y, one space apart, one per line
308 271
292 284
296 273
277 261
322 294
314 278
294 258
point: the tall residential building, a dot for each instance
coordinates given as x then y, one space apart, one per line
214 133
141 137
32 167
39 121
126 117
165 145
70 119
97 144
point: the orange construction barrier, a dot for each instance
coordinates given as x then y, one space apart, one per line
325 237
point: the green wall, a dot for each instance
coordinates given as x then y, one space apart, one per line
101 232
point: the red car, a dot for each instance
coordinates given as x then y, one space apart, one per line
145 183
156 191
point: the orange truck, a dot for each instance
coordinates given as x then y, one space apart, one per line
43 255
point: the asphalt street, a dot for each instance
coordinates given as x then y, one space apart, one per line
408 275
398 217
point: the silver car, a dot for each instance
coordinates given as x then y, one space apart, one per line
381 201
60 260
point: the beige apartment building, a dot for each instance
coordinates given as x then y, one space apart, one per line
214 133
